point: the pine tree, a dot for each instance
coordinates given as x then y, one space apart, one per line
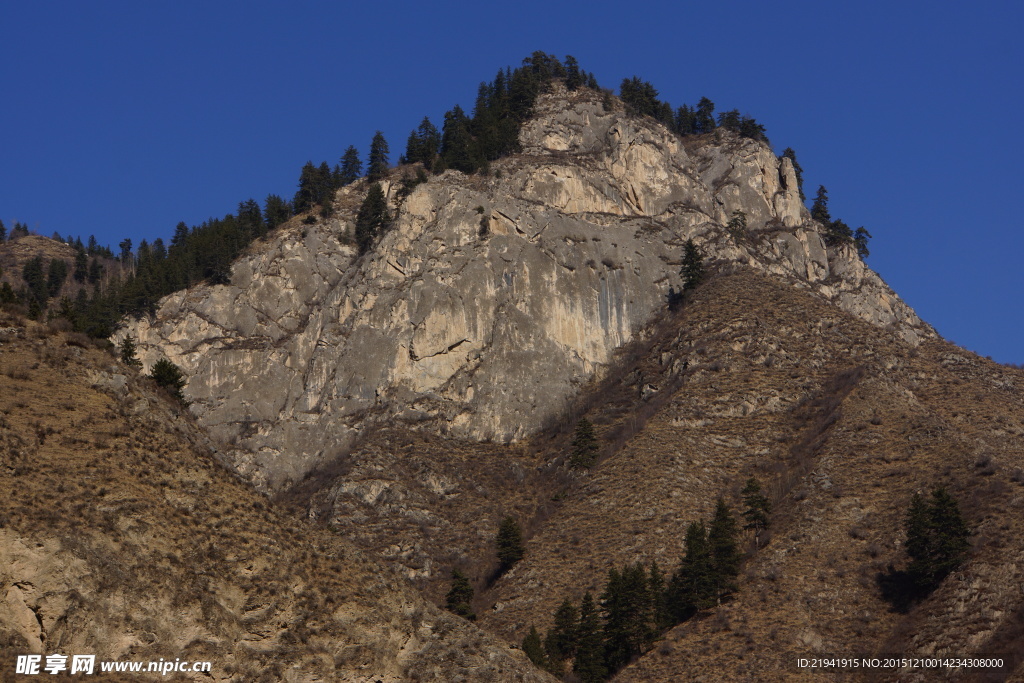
456 142
169 376
692 270
758 509
459 599
615 613
573 78
819 209
128 352
737 225
584 446
749 128
32 274
533 649
704 116
509 543
659 604
685 121
7 295
3 232
589 662
639 616
937 538
308 194
351 166
560 642
730 120
860 240
326 188
377 165
372 219
725 552
423 145
275 212
56 275
692 587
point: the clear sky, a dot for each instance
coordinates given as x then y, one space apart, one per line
120 119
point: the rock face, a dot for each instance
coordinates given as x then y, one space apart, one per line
492 299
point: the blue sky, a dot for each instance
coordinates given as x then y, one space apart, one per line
121 119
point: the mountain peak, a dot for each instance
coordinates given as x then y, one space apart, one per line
493 297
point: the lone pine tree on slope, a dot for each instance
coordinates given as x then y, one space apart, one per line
692 270
509 543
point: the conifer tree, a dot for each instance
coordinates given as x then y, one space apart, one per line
860 240
692 587
308 194
937 538
7 295
758 509
128 352
615 613
819 209
351 167
3 232
589 662
658 592
725 552
749 128
533 649
372 219
692 270
456 142
509 543
573 78
423 145
96 270
32 274
730 120
704 116
377 165
56 275
560 642
169 376
737 225
640 616
584 446
459 599
628 619
275 212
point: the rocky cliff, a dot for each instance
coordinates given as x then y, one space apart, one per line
494 298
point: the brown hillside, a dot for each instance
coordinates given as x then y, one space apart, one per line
842 422
121 535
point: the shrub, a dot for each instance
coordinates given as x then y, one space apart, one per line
169 376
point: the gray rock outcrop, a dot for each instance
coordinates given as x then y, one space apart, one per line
492 299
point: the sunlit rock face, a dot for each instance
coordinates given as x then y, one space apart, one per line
492 299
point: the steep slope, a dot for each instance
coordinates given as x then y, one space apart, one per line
840 420
492 297
120 535
843 423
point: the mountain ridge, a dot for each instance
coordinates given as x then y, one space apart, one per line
582 235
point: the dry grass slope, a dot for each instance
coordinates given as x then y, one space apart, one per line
121 535
839 419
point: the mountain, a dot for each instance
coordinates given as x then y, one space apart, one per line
122 536
362 423
492 298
